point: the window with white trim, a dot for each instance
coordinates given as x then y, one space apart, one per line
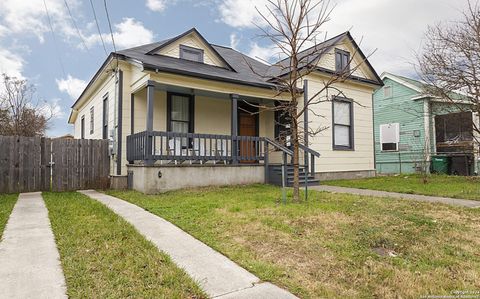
389 136
342 124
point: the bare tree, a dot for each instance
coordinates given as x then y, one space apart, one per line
20 112
450 62
295 27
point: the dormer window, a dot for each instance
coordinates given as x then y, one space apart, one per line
190 53
342 59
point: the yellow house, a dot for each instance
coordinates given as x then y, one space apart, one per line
183 112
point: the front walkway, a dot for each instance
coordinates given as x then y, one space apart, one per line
217 275
367 192
29 260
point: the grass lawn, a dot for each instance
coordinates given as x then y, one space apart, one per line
104 257
7 201
336 245
438 185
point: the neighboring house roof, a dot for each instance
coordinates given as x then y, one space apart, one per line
421 88
410 83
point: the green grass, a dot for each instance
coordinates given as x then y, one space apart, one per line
327 248
105 257
7 201
438 185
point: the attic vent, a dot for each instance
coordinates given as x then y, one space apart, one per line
387 91
189 53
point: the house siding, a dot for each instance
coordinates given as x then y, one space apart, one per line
191 40
361 158
399 108
97 103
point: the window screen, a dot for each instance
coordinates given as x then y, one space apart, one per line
389 136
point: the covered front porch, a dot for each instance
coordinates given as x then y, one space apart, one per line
200 134
187 125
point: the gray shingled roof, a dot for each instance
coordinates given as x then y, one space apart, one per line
241 68
245 69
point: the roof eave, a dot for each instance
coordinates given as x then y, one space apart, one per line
204 76
192 30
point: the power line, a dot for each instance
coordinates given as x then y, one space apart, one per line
75 25
111 32
98 28
56 45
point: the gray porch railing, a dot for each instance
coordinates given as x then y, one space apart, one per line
150 147
181 147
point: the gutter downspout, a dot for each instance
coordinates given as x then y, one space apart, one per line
120 122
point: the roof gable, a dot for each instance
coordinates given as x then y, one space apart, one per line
403 81
323 55
193 39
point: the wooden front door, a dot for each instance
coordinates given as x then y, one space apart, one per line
247 126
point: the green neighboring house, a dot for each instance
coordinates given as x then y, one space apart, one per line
415 131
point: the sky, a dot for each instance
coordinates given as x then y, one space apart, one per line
56 45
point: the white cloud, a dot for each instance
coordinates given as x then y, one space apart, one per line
234 40
156 5
242 13
51 109
29 17
128 33
72 86
11 63
264 54
395 28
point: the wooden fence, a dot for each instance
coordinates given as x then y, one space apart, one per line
42 164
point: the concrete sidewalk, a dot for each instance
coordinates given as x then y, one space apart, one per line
366 192
217 275
29 260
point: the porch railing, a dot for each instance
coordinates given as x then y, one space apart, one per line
180 147
171 147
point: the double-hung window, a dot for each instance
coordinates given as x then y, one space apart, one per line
105 117
82 127
180 114
342 61
342 124
92 118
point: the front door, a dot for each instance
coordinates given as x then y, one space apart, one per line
247 126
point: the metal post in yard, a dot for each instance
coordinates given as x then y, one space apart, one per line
284 195
306 174
305 132
265 161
